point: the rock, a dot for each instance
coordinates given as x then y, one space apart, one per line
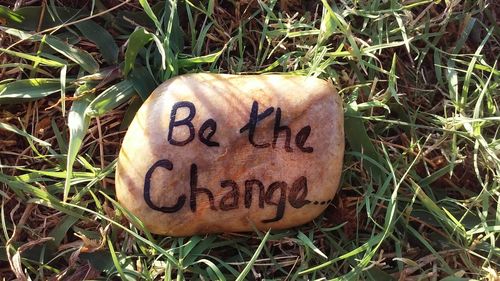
212 153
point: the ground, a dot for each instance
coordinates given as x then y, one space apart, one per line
419 196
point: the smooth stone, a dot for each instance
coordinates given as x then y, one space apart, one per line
182 181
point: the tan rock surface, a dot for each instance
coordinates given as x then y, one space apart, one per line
194 162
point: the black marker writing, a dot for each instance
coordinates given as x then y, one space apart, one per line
232 196
281 186
301 139
278 129
212 125
164 163
195 191
276 194
184 122
255 117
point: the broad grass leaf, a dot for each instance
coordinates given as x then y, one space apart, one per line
373 104
10 15
143 82
446 219
111 98
100 260
190 62
436 175
78 123
33 58
451 71
60 230
101 37
186 249
280 61
129 114
79 56
136 42
425 242
29 89
34 175
200 42
23 35
210 8
31 17
132 19
24 67
357 137
376 48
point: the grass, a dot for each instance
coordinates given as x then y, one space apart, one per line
419 197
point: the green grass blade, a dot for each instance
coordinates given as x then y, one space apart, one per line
102 38
116 262
35 59
161 50
111 98
28 90
392 85
363 248
190 62
62 76
327 28
468 74
42 196
147 8
143 82
250 263
59 232
357 137
302 237
78 124
137 40
8 127
31 17
404 34
8 14
214 268
79 56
